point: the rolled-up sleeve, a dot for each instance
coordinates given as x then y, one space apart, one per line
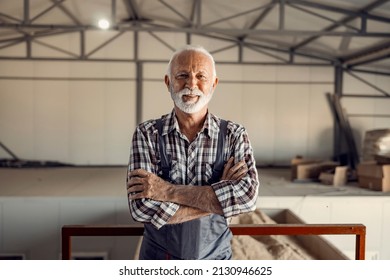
239 196
143 155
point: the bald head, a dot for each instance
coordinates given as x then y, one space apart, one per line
190 48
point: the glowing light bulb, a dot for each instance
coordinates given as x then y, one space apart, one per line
103 24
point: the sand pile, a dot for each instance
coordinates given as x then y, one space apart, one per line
265 247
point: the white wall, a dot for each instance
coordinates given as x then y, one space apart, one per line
85 112
32 226
73 112
366 113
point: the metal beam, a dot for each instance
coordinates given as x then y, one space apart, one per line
26 11
123 60
231 40
223 49
12 43
368 55
281 14
240 51
338 80
352 95
350 12
196 12
55 4
55 48
170 7
28 47
162 41
2 15
104 44
82 44
367 71
261 17
238 15
39 34
285 60
223 31
67 12
277 49
139 93
337 130
233 35
385 93
343 21
113 12
371 59
136 46
132 10
322 16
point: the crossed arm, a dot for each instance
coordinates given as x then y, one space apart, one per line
152 200
194 201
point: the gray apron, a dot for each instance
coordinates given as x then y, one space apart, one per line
204 238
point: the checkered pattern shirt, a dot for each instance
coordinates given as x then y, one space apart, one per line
192 164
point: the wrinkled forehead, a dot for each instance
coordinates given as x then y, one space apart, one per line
190 60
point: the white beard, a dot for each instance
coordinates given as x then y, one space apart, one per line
190 107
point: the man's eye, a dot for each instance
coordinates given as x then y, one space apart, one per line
181 76
202 77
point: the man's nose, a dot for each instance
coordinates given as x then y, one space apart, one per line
192 82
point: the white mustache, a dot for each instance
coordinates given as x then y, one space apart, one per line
187 91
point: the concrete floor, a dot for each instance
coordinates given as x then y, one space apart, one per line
110 181
276 182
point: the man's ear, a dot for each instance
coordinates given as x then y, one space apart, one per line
167 82
215 83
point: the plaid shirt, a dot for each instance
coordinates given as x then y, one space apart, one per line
192 164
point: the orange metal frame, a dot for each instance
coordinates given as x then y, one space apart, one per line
237 229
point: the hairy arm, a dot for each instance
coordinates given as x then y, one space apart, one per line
200 200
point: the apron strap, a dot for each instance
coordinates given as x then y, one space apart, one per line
219 162
165 165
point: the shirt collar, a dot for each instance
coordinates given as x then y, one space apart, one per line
210 126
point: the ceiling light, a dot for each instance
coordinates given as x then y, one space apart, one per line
103 24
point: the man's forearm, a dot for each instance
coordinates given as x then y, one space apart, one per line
143 184
200 197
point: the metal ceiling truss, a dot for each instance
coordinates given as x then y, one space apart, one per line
242 38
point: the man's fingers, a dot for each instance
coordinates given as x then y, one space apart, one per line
240 173
137 195
238 166
237 171
227 167
134 181
136 188
138 173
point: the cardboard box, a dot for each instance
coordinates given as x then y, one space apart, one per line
337 178
298 160
374 176
376 184
370 169
313 170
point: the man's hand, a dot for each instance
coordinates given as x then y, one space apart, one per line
144 184
233 171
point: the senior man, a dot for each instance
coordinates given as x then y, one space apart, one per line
189 171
